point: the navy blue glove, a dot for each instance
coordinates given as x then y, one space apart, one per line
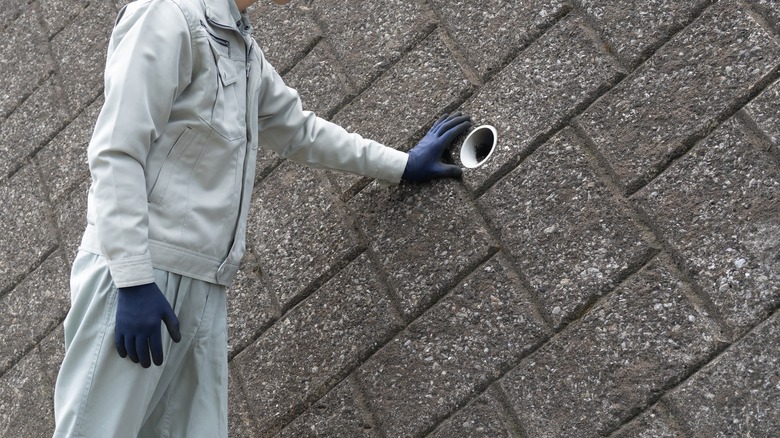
139 311
425 159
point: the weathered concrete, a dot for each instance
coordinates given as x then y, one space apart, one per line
722 217
611 271
684 90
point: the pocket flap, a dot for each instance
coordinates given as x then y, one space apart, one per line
227 71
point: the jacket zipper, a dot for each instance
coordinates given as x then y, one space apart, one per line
248 57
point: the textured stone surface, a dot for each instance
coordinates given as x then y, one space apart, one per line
71 217
770 9
484 417
407 100
28 234
37 119
718 206
58 13
765 111
284 33
26 399
251 306
10 10
680 92
33 309
63 161
423 235
297 230
537 92
491 32
336 414
637 28
613 361
241 423
267 161
24 60
653 423
369 36
738 394
319 81
571 237
449 353
80 52
313 347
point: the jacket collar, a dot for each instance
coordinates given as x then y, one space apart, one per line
225 13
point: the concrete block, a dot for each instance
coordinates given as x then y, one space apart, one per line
318 81
483 417
402 105
9 11
451 352
370 36
251 306
71 217
267 161
425 236
490 33
306 353
241 423
58 13
33 309
52 351
769 9
63 161
297 230
571 237
80 52
33 123
635 30
337 414
24 60
26 399
28 234
680 93
765 111
652 423
718 207
534 96
284 33
625 352
737 394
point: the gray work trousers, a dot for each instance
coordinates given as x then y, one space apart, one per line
99 394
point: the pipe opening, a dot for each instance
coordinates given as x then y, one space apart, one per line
478 146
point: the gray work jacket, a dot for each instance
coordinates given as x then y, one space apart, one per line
188 98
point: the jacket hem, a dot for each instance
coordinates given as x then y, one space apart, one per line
174 259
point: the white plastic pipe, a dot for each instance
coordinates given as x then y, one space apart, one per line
478 146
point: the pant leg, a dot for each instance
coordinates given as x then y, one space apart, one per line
97 392
192 399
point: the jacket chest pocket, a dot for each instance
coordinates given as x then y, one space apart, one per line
225 113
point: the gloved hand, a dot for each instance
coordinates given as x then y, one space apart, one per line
139 311
425 159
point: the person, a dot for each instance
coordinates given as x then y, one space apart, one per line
189 97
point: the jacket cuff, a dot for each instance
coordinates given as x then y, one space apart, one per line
393 166
132 271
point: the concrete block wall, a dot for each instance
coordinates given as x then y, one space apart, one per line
614 269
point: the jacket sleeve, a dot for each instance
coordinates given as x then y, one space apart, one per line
149 63
301 136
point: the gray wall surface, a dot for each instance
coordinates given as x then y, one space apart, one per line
614 269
